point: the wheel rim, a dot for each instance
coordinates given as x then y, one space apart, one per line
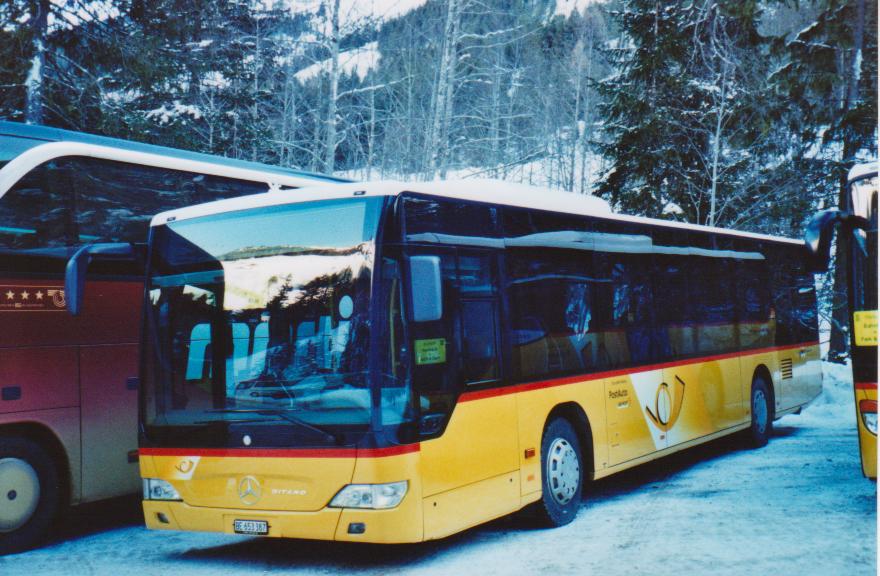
759 409
563 471
19 493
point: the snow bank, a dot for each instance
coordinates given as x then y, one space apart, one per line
359 61
355 12
566 7
835 407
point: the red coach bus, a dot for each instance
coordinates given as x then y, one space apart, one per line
68 385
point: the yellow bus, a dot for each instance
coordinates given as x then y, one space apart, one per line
391 362
858 220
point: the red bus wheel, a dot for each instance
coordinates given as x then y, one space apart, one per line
29 493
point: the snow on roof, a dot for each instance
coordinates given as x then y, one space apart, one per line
860 170
479 190
357 61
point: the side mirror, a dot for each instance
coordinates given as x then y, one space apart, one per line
819 232
75 274
818 235
426 288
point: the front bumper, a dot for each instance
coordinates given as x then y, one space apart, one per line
402 524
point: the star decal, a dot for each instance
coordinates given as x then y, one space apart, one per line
39 295
10 295
25 295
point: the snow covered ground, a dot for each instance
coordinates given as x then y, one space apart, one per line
799 506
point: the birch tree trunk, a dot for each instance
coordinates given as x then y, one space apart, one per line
330 121
716 141
439 140
34 84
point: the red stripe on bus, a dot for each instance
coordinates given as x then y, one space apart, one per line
491 392
866 385
283 452
389 451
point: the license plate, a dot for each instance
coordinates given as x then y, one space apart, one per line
254 527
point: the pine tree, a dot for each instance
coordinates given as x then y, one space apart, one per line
828 84
642 107
683 115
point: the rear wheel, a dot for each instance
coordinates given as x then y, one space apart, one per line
762 413
561 471
29 493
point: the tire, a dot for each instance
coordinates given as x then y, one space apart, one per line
29 493
561 474
761 407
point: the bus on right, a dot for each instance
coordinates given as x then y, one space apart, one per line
858 231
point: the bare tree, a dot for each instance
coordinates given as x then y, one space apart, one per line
438 140
35 81
330 120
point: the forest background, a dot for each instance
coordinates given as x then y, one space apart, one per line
737 113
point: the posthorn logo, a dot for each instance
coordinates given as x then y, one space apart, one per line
667 405
249 491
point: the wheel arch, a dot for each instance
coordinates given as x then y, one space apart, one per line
763 372
43 435
577 417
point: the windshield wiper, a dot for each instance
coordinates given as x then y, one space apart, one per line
284 415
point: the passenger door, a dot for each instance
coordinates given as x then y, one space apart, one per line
470 471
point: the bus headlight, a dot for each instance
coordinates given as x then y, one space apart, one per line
373 496
155 489
868 409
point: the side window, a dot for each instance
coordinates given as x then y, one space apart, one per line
711 294
478 310
115 201
553 332
37 227
806 314
783 292
674 331
429 219
478 334
628 338
67 202
753 302
623 265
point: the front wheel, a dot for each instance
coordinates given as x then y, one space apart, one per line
762 413
561 471
29 493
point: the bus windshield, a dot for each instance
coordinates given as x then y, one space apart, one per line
257 327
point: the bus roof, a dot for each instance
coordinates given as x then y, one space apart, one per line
23 147
490 191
